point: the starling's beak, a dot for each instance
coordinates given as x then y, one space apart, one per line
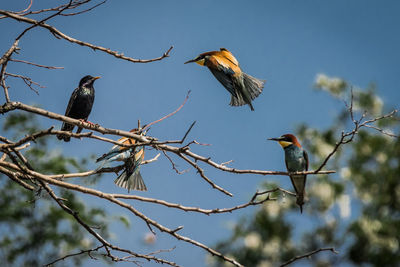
190 61
97 77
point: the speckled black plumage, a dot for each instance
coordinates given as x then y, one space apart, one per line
80 105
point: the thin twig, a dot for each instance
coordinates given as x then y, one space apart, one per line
88 251
37 65
308 255
150 160
169 115
60 34
174 167
146 219
84 11
27 80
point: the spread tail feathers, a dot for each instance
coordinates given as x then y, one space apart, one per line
253 85
237 100
133 182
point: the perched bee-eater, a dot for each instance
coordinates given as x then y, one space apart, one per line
296 160
225 67
80 105
130 178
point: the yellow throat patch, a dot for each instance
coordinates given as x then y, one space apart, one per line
285 143
200 62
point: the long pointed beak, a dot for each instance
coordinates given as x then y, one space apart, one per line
190 61
97 77
274 139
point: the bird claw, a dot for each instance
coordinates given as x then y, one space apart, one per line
95 125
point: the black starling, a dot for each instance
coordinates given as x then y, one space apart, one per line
79 105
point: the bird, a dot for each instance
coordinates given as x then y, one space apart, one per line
225 67
296 159
132 157
131 178
80 105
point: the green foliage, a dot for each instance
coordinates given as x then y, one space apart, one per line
357 210
35 230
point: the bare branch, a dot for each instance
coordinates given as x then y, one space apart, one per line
28 81
59 34
252 202
84 11
173 164
150 160
144 140
358 124
22 11
88 251
105 243
13 176
72 5
169 115
37 65
3 62
201 172
112 199
308 255
7 55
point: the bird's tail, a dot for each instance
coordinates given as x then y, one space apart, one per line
253 85
237 100
300 201
65 127
132 182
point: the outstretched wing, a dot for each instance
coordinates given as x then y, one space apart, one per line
224 76
118 152
228 55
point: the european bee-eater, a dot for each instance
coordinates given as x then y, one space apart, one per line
80 105
130 178
225 67
296 160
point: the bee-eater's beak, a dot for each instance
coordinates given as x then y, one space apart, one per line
274 139
97 77
190 61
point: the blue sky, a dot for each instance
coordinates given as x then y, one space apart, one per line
284 42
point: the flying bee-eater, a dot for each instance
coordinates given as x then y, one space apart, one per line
80 105
296 160
225 67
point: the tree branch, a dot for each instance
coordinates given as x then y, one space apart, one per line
111 198
59 34
308 255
